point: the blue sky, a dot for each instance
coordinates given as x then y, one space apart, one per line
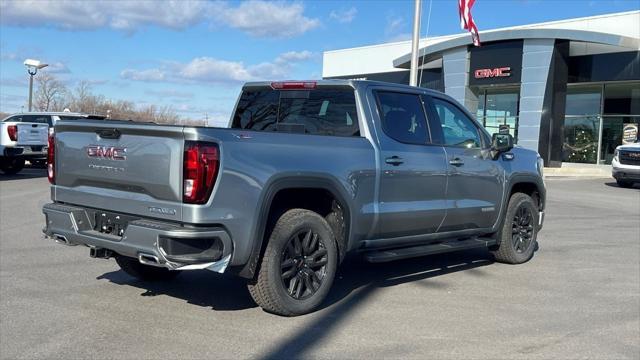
194 55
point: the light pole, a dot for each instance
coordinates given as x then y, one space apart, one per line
415 44
32 68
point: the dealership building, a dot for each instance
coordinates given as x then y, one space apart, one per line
568 89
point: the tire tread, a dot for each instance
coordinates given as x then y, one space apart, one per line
504 252
262 289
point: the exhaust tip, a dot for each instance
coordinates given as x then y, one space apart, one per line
148 259
61 239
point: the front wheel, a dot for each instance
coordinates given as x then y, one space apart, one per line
11 166
298 266
517 238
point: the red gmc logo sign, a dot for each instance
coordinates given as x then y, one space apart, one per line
489 73
107 152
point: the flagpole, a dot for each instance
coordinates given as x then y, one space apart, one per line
415 44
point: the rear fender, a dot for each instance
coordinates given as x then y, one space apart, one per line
309 182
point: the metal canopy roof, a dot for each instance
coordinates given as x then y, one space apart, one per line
433 51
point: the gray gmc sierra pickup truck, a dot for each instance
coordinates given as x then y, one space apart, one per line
307 172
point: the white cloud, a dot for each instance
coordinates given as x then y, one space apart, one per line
258 18
396 28
170 93
343 16
57 68
211 70
294 56
267 19
88 15
400 37
394 25
143 75
10 56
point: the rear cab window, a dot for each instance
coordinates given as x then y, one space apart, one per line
39 119
15 118
322 111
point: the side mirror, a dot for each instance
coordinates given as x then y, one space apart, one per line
501 143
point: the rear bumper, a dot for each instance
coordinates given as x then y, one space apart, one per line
26 152
155 243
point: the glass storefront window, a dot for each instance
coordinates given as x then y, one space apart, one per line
621 102
583 100
612 130
581 139
615 105
499 107
622 99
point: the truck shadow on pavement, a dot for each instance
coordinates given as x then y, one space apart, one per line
358 282
614 184
26 173
355 279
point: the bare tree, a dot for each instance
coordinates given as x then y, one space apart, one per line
50 94
83 100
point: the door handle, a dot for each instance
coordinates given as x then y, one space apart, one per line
456 162
394 160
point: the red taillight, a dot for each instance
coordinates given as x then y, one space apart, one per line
294 85
13 132
201 161
51 157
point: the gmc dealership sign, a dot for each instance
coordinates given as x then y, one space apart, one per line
491 73
498 63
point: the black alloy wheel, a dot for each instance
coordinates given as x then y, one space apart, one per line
522 229
517 238
303 264
298 265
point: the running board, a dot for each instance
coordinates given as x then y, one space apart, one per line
422 250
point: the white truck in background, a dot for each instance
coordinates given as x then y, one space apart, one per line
24 137
21 140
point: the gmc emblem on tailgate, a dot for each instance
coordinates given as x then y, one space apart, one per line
107 152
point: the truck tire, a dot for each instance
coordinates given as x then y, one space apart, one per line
517 238
11 166
298 266
144 272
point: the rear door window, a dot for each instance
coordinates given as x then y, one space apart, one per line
317 112
40 119
403 117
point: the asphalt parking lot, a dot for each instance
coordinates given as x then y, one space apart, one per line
578 298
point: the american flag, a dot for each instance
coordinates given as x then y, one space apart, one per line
466 20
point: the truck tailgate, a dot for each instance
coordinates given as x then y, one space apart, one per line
32 134
131 168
